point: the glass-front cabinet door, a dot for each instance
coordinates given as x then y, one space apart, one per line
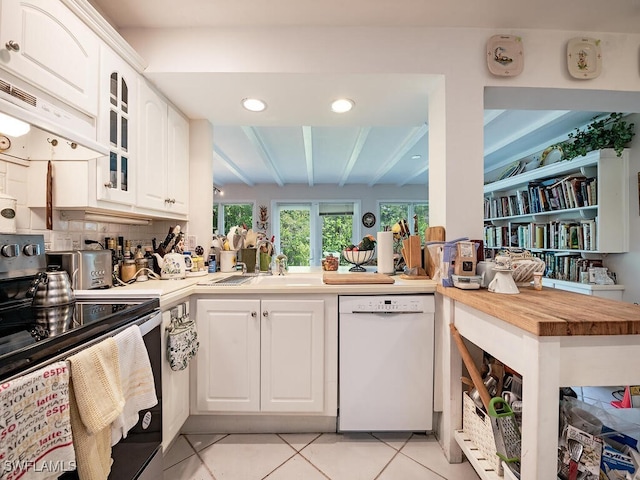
116 173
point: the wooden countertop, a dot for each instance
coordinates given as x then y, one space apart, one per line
551 312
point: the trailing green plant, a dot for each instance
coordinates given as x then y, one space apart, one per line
609 132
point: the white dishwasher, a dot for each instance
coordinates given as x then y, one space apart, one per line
386 363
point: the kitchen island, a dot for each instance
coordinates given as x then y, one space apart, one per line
553 339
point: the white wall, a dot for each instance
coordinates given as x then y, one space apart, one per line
456 56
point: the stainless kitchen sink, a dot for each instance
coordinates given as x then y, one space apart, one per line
231 280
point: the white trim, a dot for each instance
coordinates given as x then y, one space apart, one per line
90 16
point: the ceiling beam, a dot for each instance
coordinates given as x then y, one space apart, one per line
516 135
263 151
233 168
491 115
407 144
408 178
307 138
363 133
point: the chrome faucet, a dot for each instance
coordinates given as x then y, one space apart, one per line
260 243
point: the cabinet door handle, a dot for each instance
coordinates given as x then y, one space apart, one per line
254 314
108 185
265 314
12 46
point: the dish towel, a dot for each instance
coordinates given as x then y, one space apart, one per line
96 401
35 426
136 376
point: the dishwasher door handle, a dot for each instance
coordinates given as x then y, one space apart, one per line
360 312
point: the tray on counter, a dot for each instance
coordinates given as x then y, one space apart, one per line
355 278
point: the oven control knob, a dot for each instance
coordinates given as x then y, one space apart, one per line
12 250
32 250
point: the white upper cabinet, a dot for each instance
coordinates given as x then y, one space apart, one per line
163 167
117 129
152 145
43 43
177 162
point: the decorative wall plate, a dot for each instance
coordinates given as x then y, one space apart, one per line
505 56
584 58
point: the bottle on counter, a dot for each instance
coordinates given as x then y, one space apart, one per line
212 268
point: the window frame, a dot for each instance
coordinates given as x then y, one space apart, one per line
221 211
315 228
411 211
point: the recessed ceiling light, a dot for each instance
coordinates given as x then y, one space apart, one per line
416 157
254 104
342 105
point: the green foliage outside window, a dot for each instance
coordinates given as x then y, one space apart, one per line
337 233
294 236
422 210
392 212
237 214
215 217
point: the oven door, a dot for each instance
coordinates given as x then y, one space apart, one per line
139 456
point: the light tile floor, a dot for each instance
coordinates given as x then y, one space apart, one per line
327 456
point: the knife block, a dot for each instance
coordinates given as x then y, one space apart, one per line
412 254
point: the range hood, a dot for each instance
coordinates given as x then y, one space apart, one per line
49 119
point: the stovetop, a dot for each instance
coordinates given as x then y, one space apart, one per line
29 334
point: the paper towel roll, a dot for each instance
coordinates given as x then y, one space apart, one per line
385 252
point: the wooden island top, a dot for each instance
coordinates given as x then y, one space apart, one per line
551 312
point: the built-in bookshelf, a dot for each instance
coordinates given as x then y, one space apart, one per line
567 213
576 206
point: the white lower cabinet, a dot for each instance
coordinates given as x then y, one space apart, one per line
263 355
175 384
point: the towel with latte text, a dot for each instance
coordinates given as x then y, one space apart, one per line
35 428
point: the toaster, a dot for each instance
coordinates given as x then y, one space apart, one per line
88 269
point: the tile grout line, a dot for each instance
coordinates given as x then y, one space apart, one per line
301 456
179 461
200 458
394 455
416 461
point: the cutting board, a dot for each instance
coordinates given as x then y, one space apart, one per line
355 278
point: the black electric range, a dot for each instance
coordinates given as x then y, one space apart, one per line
30 335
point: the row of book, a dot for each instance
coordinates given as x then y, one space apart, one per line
566 267
548 195
555 235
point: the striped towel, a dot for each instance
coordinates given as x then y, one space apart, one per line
35 425
96 402
137 381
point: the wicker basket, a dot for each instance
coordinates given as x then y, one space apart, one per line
477 425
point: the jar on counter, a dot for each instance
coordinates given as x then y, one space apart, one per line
128 270
537 281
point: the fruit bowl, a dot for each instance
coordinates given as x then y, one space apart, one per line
357 258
